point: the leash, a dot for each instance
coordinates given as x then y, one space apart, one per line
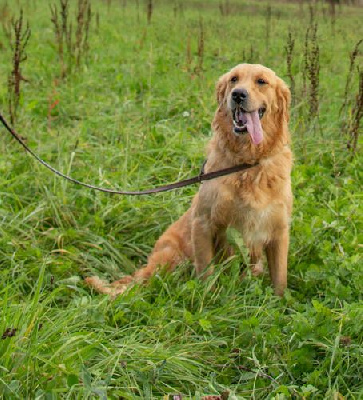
186 182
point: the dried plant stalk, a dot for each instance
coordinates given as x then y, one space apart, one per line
62 31
313 72
352 57
149 11
311 69
189 54
224 8
18 39
138 11
357 113
301 8
200 46
97 22
332 15
84 15
71 46
268 24
305 62
60 24
289 48
312 12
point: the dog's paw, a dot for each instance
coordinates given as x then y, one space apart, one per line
256 270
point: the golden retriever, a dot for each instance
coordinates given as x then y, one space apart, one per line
250 126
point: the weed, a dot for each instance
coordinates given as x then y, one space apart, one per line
189 58
289 48
76 44
332 15
18 39
224 8
312 12
63 33
97 22
305 62
268 24
138 11
83 17
311 69
357 113
201 40
352 57
149 10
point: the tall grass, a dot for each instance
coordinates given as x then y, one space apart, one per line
137 115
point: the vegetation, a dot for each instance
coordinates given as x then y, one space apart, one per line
136 113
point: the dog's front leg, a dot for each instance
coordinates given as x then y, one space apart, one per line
276 252
203 246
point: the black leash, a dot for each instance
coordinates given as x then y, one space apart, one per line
186 182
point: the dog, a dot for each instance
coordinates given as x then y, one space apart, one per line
250 126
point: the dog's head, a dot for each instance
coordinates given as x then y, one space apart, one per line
255 100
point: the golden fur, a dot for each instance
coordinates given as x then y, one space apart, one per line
256 202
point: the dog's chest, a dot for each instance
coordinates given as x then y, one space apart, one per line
256 208
255 225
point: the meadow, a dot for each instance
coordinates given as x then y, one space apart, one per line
135 113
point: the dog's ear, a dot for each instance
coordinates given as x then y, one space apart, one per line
221 88
283 99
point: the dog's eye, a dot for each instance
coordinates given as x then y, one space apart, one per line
234 79
261 81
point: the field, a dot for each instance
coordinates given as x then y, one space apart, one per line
136 113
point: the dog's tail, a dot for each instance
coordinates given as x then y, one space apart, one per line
104 287
171 249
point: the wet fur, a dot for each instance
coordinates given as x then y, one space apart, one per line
256 202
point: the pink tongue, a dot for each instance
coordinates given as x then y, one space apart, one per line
254 127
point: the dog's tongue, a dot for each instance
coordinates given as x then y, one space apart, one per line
254 127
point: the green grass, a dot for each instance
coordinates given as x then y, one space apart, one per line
137 115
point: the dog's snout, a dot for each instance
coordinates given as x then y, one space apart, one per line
239 95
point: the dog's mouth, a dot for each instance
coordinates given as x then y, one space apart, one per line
244 121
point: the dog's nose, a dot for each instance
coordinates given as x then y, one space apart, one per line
239 95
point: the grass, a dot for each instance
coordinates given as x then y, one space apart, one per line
137 114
